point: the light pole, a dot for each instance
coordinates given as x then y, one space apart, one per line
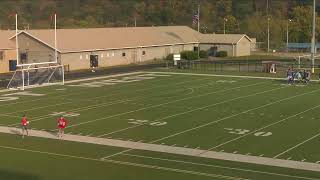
268 34
224 25
313 40
289 20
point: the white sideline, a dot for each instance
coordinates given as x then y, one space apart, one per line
170 149
182 171
218 166
221 75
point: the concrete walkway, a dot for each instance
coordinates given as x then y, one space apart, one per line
171 149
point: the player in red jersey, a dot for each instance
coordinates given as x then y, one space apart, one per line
24 125
62 123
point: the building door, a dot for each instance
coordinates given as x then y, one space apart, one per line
94 61
12 65
213 51
134 56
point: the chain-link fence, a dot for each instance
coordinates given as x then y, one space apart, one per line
280 67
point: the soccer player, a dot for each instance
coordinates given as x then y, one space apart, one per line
62 123
24 124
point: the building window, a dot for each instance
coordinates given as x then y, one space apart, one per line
1 55
101 55
80 56
87 56
143 53
112 54
124 54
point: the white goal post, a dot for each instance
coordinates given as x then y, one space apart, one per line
37 73
33 76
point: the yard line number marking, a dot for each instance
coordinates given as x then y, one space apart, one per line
245 131
146 122
65 114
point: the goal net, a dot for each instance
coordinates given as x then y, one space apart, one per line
37 75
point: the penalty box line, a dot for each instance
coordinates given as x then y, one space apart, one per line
126 163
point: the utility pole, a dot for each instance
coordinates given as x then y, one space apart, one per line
289 20
268 25
224 25
199 28
313 40
199 16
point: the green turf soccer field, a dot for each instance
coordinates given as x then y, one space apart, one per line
163 125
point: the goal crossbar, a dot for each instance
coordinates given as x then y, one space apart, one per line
37 76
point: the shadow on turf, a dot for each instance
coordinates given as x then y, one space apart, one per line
16 132
9 175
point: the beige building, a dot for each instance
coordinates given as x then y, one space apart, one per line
102 47
233 44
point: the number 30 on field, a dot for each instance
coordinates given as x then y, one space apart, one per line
245 131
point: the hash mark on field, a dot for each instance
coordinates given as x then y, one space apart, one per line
318 162
261 155
173 145
185 146
248 153
303 160
235 152
222 150
163 143
288 158
197 148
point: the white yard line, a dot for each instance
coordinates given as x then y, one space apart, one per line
269 125
212 122
39 118
169 149
182 171
220 167
298 145
98 97
103 77
162 104
193 110
203 153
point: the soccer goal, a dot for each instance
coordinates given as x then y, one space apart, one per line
35 67
37 75
304 61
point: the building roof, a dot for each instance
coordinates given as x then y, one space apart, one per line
75 40
5 42
221 38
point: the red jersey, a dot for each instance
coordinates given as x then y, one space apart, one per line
24 121
62 123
